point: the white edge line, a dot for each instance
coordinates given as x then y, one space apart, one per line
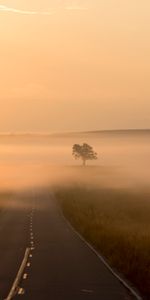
123 282
19 275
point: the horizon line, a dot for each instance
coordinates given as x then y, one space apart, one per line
47 133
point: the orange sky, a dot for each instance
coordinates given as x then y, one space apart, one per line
74 65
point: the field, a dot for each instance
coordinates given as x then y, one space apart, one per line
108 201
116 221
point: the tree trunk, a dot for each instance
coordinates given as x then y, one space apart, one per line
84 162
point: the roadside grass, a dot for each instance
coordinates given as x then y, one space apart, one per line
117 223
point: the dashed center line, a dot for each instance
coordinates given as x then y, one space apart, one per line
21 291
28 264
25 276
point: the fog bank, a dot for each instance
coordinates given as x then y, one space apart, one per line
36 161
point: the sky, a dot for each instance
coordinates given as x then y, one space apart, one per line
74 65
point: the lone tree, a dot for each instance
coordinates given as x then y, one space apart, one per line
84 152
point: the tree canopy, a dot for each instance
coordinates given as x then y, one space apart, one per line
84 152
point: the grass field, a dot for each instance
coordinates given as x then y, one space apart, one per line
117 223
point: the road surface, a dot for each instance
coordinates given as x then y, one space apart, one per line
60 266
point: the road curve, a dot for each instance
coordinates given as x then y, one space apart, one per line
60 265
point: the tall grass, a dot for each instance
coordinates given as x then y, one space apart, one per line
117 223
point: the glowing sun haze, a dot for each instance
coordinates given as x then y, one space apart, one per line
74 65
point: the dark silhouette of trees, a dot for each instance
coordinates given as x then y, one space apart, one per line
84 152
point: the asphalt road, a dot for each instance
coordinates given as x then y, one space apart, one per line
60 265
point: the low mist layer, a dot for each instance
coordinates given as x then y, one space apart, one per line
29 161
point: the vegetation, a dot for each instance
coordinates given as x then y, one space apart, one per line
84 152
117 223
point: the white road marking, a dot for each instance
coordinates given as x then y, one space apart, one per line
120 279
25 276
19 276
28 264
87 291
21 291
